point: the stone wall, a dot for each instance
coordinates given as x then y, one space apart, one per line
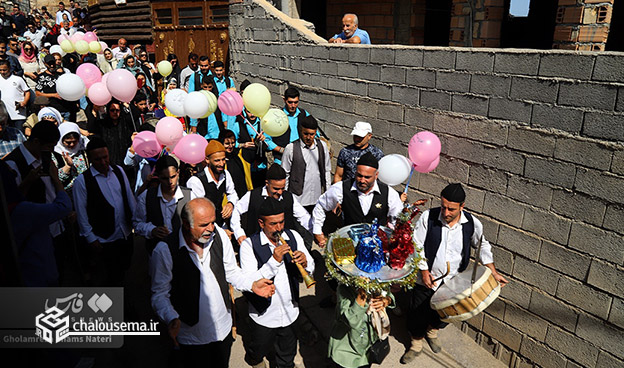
537 138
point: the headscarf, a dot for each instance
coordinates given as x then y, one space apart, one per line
25 58
50 111
66 128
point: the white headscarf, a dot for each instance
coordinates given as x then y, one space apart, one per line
66 128
50 111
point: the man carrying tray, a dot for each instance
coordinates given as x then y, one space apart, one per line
446 234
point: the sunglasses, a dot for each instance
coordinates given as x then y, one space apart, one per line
27 49
114 110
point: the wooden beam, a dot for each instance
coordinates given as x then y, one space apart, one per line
100 25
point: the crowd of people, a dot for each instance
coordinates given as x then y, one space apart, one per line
79 196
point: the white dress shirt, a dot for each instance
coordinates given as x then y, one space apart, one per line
167 208
283 310
242 206
215 320
198 188
451 245
111 189
186 72
312 183
329 200
120 55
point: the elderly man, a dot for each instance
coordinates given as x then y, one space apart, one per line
446 234
190 292
122 49
349 155
350 32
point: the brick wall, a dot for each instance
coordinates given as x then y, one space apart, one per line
583 24
537 138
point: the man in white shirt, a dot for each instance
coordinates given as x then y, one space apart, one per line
308 164
34 35
67 30
186 73
445 234
214 182
272 321
190 292
122 49
60 12
15 94
250 204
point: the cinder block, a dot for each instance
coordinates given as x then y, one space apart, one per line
379 55
487 131
585 94
572 347
541 354
358 88
320 52
503 259
419 118
617 165
583 152
470 104
526 322
420 78
345 102
584 297
568 65
397 131
391 74
380 91
453 81
477 61
597 242
519 242
408 57
609 68
369 72
454 125
534 89
380 127
600 184
496 309
452 168
464 149
607 360
562 118
432 184
517 292
328 68
614 218
616 315
535 274
511 110
564 260
337 84
439 59
393 113
553 310
529 140
520 63
347 70
607 337
490 85
476 321
435 99
406 95
359 54
503 159
529 192
578 207
546 225
502 332
607 277
319 81
474 202
550 171
366 108
606 126
619 105
492 180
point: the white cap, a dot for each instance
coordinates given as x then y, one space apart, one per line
361 129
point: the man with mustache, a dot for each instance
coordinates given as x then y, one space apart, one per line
196 79
351 33
190 275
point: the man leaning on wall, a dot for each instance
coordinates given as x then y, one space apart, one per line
351 33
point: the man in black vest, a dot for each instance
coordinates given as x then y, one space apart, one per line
272 321
362 200
198 77
308 164
158 208
214 182
446 233
105 206
250 203
190 292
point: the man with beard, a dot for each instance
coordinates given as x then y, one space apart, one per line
238 168
196 79
363 199
116 130
190 293
159 208
214 182
16 67
349 155
46 87
273 321
187 72
5 23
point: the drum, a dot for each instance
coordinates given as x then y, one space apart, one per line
458 300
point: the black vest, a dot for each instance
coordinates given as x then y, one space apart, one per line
100 213
284 139
434 236
250 155
155 216
237 171
214 193
263 254
255 201
298 168
198 80
352 210
37 191
186 278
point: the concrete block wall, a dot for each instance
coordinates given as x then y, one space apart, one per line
537 137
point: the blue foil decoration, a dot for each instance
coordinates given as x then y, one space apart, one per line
369 253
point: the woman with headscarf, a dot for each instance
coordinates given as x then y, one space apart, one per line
72 146
30 63
129 63
110 59
143 86
50 113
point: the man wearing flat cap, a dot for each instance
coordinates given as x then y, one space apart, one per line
445 234
363 199
214 182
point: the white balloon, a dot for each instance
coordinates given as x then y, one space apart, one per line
57 49
174 101
70 87
394 169
196 105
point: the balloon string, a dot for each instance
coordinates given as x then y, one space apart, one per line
409 179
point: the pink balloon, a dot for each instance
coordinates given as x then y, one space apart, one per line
98 94
230 103
145 144
77 37
90 36
61 38
89 73
169 131
191 148
122 85
423 148
104 47
430 168
105 77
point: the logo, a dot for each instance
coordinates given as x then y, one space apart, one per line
100 303
51 326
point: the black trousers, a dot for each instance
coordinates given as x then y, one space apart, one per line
283 339
109 264
216 354
420 316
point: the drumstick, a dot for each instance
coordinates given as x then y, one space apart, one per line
448 270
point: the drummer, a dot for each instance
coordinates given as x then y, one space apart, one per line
446 234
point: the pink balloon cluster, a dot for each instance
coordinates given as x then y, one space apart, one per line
230 103
424 151
82 43
120 83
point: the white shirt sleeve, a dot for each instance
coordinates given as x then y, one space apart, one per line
79 192
395 205
287 161
160 269
141 226
326 202
420 233
301 246
242 206
249 263
230 189
328 175
195 185
302 215
486 247
239 279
